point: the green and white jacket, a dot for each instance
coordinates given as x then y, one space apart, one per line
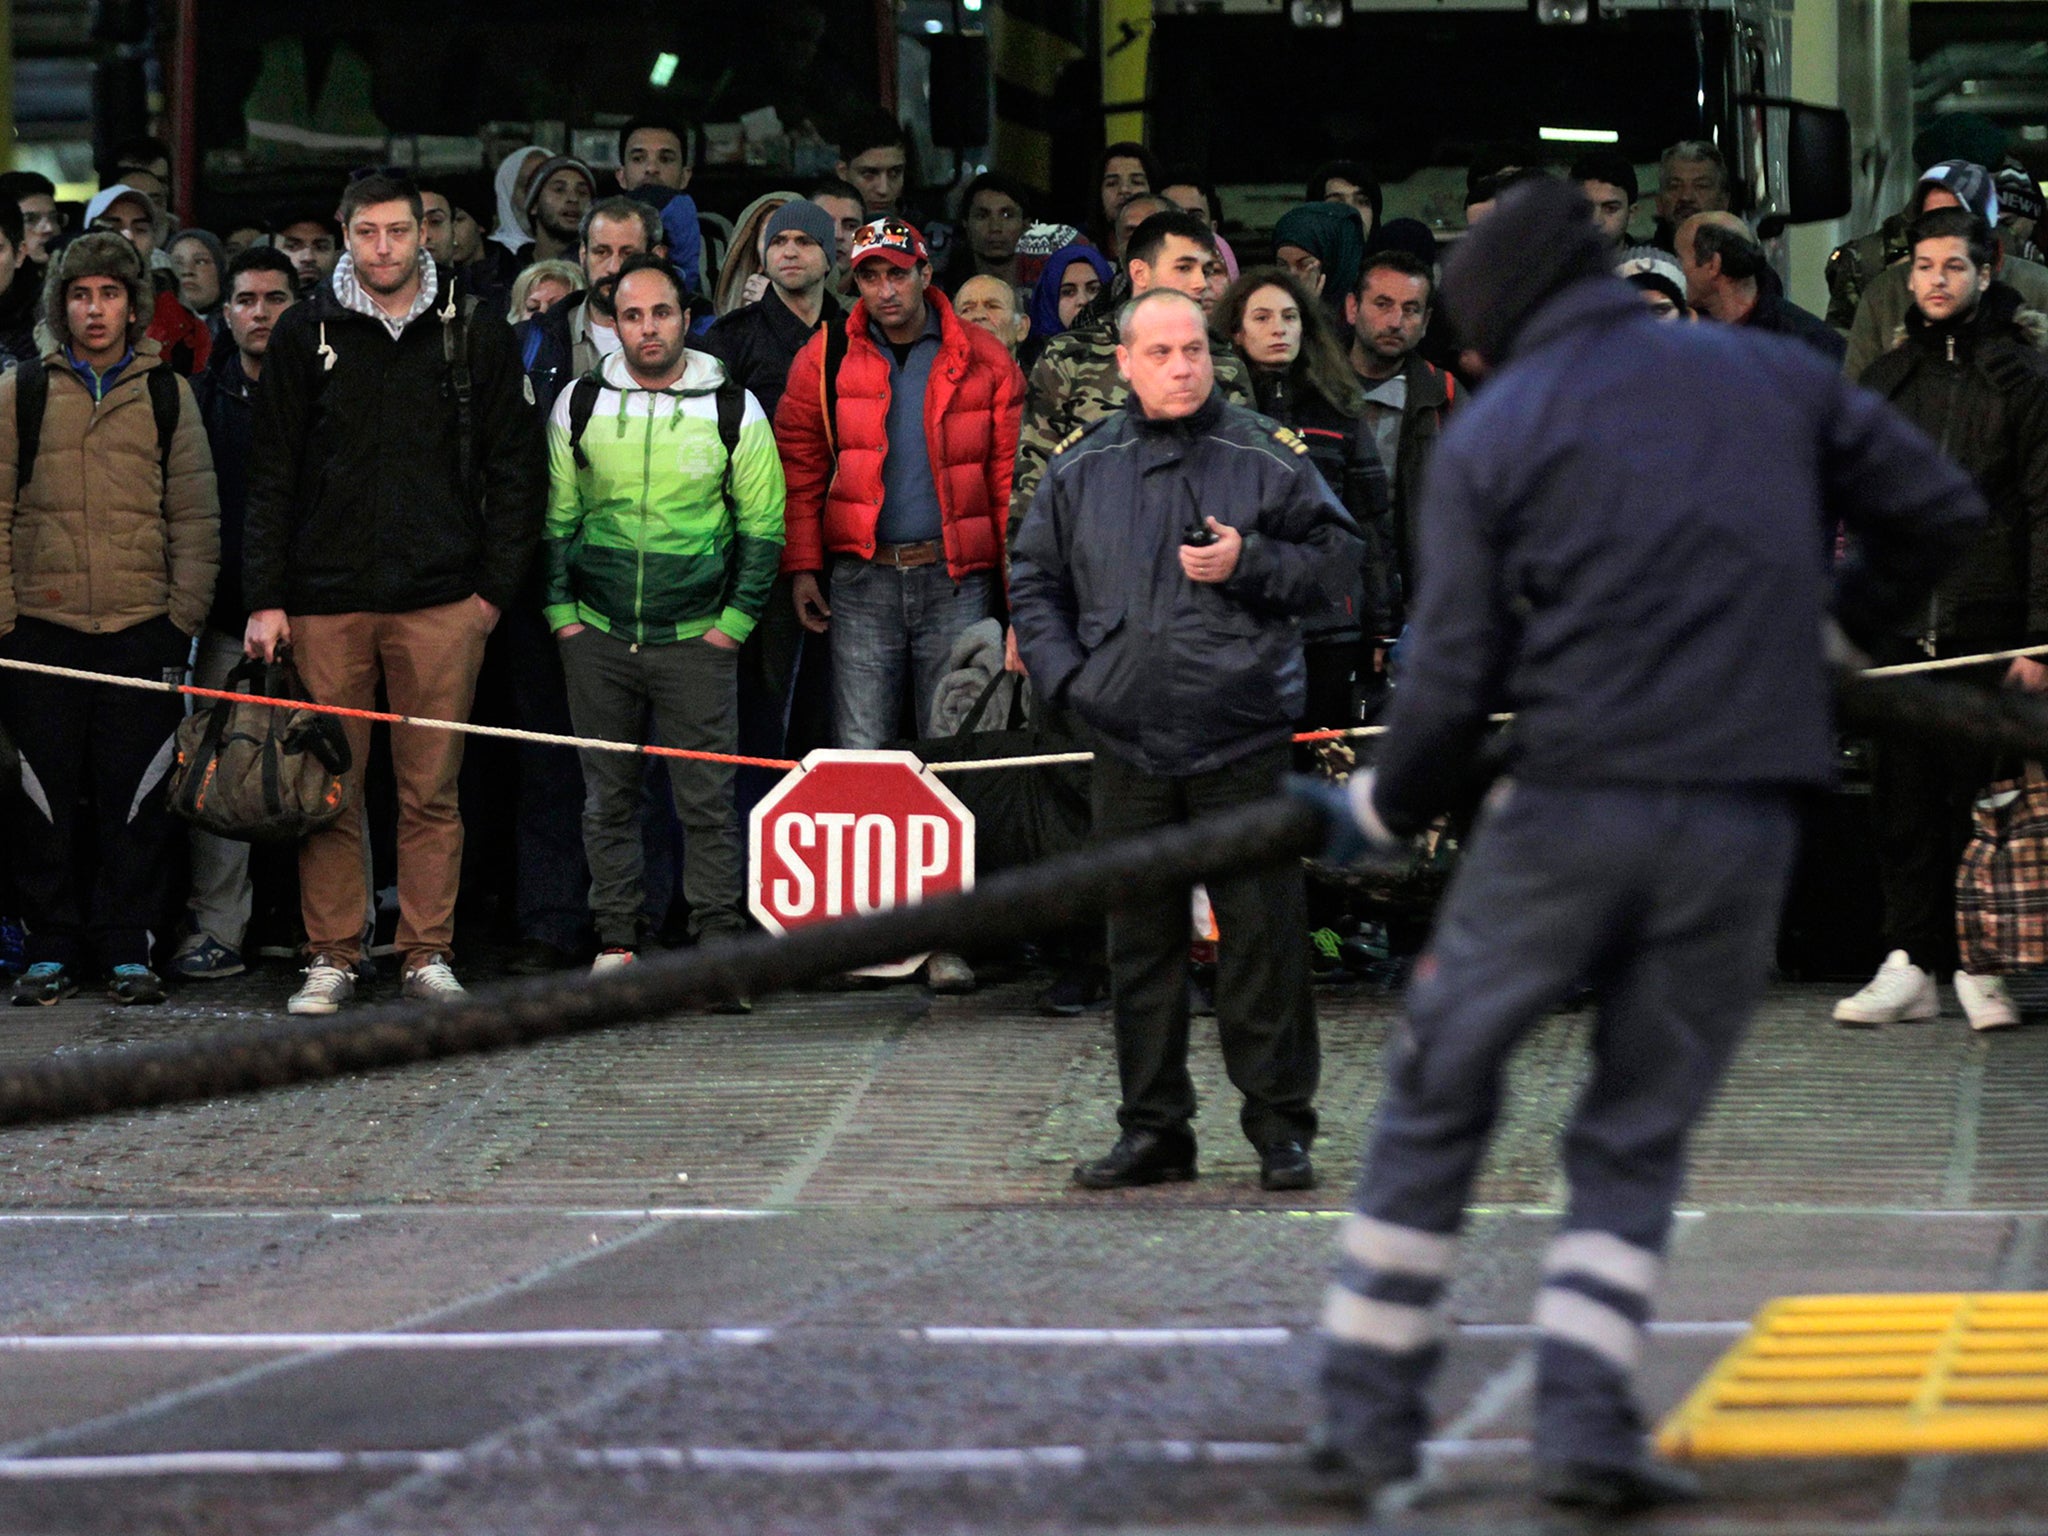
642 544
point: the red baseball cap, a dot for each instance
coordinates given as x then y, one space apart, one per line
891 239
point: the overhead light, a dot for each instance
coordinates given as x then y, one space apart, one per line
1316 13
1579 135
1565 13
664 69
970 5
934 26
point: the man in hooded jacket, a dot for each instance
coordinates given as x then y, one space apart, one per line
1656 625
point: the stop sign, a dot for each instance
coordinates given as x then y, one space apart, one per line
849 833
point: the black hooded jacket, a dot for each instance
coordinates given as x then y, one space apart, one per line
356 495
1978 386
20 306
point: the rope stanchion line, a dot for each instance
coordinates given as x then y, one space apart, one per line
782 764
1056 892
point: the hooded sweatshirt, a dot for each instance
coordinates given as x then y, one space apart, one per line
641 544
512 232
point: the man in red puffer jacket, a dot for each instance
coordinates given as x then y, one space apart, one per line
898 431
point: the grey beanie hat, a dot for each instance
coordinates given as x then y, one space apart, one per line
806 218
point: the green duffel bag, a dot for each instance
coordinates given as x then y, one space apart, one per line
261 773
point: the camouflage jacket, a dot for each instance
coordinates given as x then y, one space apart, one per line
1854 265
1075 383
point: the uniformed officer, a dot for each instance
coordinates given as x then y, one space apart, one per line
1157 588
1625 543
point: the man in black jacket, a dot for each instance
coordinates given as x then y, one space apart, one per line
1728 278
261 285
1157 587
395 498
759 341
1655 622
1970 371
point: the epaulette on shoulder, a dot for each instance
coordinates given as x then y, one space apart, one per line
1289 439
1070 439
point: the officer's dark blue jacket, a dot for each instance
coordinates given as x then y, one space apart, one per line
1177 677
1628 540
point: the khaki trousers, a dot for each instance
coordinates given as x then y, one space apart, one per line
428 661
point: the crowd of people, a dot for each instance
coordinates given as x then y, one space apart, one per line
561 451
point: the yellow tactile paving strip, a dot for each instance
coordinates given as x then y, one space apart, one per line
1875 1376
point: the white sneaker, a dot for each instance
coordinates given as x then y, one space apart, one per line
948 974
327 987
1898 993
431 981
611 960
1985 1001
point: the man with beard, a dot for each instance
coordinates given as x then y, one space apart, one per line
1406 398
571 339
664 530
561 189
396 483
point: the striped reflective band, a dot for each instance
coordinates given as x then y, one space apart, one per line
1579 1319
1607 1258
1400 1250
1384 1325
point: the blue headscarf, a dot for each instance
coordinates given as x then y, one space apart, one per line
1045 297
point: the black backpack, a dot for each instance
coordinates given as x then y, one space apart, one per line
32 400
732 409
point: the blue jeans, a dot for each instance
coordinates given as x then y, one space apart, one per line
1667 902
890 626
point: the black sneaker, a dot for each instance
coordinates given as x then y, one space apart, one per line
1075 992
537 957
44 983
1138 1158
135 984
1615 1490
1285 1165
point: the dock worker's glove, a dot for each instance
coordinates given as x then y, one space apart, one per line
1355 831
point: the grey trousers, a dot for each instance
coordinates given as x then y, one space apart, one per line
221 891
690 691
1667 901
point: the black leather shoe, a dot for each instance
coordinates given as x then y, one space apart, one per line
1615 1490
537 957
1285 1165
1075 992
1140 1157
1367 1476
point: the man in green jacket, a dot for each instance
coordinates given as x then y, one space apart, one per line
664 533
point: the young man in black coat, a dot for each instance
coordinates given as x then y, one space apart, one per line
1655 621
1969 370
395 497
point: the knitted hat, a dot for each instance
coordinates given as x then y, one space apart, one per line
1538 241
2019 195
806 218
549 167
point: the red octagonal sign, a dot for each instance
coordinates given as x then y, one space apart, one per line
850 833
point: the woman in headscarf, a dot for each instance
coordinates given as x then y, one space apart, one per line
1073 275
1302 380
1323 245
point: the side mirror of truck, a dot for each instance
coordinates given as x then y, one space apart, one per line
1819 184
